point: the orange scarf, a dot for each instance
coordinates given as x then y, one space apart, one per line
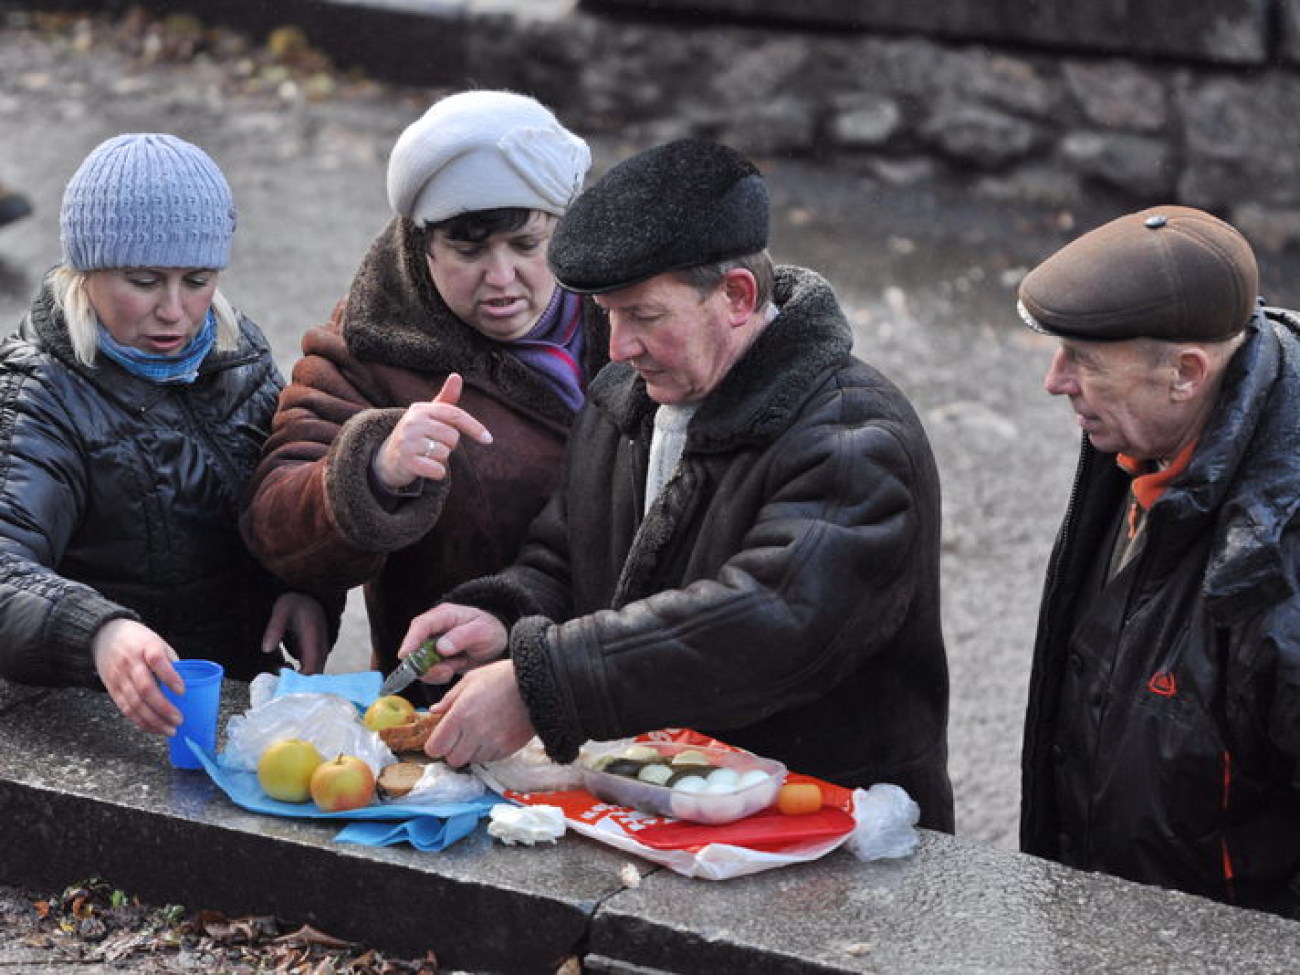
1148 487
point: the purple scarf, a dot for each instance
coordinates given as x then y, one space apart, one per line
554 347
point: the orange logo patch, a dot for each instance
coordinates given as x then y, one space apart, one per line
1162 682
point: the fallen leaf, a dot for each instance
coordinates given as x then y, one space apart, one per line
120 945
244 930
308 935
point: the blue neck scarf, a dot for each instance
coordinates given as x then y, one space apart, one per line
163 369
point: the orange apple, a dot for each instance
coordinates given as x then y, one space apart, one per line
285 767
392 709
344 782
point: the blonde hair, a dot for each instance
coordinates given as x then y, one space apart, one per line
72 299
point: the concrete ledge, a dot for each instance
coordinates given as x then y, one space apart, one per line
83 794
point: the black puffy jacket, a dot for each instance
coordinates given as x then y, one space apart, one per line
119 498
1162 740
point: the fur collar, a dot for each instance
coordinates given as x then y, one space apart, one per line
756 400
394 316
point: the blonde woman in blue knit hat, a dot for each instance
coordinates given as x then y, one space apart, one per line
424 426
135 400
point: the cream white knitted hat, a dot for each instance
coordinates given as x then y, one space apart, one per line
480 150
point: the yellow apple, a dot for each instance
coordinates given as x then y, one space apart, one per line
392 709
285 768
344 782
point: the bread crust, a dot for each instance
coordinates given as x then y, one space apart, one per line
410 737
398 779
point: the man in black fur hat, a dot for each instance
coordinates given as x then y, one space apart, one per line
746 541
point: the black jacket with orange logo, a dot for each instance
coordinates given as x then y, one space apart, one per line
1162 739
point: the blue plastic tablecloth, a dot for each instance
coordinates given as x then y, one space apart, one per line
424 826
360 687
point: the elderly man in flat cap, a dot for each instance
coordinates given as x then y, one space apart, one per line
1162 741
746 540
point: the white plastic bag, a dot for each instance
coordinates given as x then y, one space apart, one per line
527 825
887 818
529 770
328 721
440 784
261 689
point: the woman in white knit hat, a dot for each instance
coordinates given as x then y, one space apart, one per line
424 426
135 401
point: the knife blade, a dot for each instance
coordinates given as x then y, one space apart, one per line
415 665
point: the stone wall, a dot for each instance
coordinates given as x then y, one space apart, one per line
1008 120
1025 121
1218 31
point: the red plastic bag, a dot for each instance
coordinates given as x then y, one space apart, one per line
762 841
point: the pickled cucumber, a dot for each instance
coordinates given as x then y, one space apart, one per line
628 767
655 773
690 757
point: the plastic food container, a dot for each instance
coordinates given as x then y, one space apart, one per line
714 797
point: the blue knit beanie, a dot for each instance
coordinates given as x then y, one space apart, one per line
147 200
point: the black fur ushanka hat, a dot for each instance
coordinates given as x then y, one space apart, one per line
668 208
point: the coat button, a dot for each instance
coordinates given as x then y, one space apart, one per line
1155 221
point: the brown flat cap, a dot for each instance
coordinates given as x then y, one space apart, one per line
1170 272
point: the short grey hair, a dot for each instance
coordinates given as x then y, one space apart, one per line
71 298
705 278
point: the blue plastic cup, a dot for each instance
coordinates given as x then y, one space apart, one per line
198 706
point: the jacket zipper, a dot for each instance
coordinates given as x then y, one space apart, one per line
201 432
1086 456
1042 759
1229 875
